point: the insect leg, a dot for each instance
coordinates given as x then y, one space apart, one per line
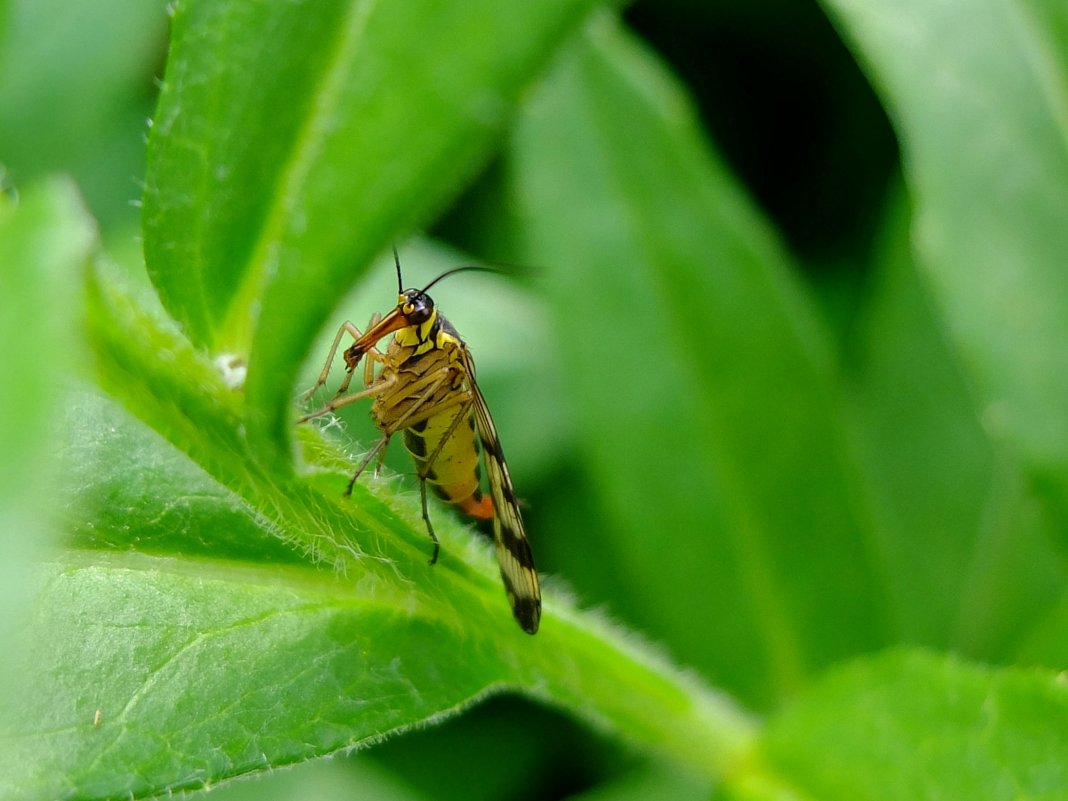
368 376
426 519
376 356
466 401
378 450
376 388
351 330
423 409
464 410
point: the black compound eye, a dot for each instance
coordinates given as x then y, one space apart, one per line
418 308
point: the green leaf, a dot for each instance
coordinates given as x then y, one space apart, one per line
44 239
976 89
294 140
73 101
334 780
699 378
914 725
118 474
214 613
167 672
965 558
44 242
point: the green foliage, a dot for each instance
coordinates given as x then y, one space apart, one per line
763 441
866 732
42 241
861 539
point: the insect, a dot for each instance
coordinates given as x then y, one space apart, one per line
425 388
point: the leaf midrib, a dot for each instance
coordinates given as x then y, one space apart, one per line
234 334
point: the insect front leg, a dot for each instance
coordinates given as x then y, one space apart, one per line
352 359
355 352
373 352
351 330
372 386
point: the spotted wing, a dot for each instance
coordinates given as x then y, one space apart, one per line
513 549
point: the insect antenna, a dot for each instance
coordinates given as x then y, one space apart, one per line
446 273
465 268
400 281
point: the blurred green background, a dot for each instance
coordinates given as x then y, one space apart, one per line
777 91
798 125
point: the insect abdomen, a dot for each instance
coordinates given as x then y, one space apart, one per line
455 474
